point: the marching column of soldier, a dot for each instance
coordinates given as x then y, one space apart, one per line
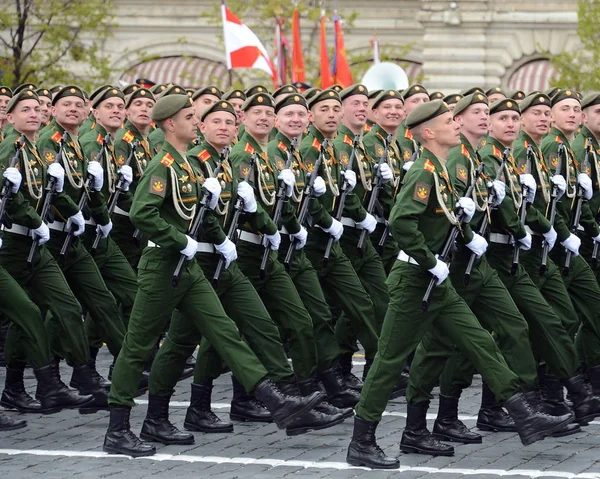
458 234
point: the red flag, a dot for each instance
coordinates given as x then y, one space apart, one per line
326 80
343 76
298 74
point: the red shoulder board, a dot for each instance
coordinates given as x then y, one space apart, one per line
496 152
204 155
347 140
128 137
526 143
429 166
167 160
367 128
281 146
558 139
464 151
408 134
248 148
99 139
57 137
316 144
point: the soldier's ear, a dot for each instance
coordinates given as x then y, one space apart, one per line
311 117
202 127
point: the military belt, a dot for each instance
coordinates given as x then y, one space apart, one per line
17 230
202 247
120 211
500 238
250 237
57 226
349 222
402 256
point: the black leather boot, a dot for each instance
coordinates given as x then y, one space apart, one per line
244 407
533 425
157 426
7 423
534 399
363 449
283 408
14 395
448 427
54 394
120 440
553 394
199 416
491 416
311 385
82 376
102 382
338 393
350 380
593 373
585 405
416 438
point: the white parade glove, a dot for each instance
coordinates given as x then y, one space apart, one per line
14 176
369 223
96 170
500 192
336 229
387 174
560 183
213 189
319 187
228 250
57 172
406 166
572 243
528 180
104 230
468 207
550 238
246 193
77 221
191 248
440 271
596 239
478 245
127 176
42 233
301 236
585 183
525 242
275 240
288 177
0 243
350 177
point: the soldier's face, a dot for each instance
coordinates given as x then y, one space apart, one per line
446 131
140 112
327 116
237 106
535 121
3 102
25 117
259 120
111 113
495 97
69 111
591 119
370 111
355 111
474 121
203 103
505 125
566 115
219 128
390 113
414 101
183 125
45 106
292 120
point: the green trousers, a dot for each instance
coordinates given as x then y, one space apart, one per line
122 234
198 304
390 249
243 305
404 327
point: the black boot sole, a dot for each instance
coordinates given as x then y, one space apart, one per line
491 428
188 426
296 431
240 418
14 427
307 407
566 432
372 465
459 440
541 435
582 421
184 442
417 450
14 407
115 450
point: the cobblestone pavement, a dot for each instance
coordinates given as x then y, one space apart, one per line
69 445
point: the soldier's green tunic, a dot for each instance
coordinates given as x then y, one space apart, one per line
156 140
163 209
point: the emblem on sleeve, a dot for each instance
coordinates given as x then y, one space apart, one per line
421 193
157 186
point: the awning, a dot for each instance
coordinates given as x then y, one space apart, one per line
532 76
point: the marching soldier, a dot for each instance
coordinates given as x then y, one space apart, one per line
5 96
413 96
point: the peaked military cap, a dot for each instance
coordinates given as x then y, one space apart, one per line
301 86
469 100
234 94
414 90
5 91
99 90
107 93
219 106
506 104
308 94
292 99
493 91
473 89
352 90
68 90
451 99
285 89
24 86
207 90
534 100
565 95
168 106
25 94
129 89
253 90
328 94
141 92
436 95
41 92
144 83
590 99
387 95
426 112
258 99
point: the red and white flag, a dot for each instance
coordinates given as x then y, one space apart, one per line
242 47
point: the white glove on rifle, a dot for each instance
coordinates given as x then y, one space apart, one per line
560 183
528 181
550 238
585 183
104 230
14 176
42 233
0 243
596 239
301 237
57 172
127 176
499 192
336 229
572 243
350 177
191 248
386 172
468 207
97 172
275 240
228 250
77 221
369 223
213 189
319 187
440 271
288 177
246 193
406 166
525 242
478 245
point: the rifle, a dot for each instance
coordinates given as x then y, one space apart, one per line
196 227
522 212
278 210
450 239
238 208
115 197
308 195
486 218
50 192
342 201
578 204
5 193
375 191
83 201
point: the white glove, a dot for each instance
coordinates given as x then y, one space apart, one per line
500 192
127 176
319 187
0 243
14 176
288 177
369 223
525 242
468 207
213 189
572 243
560 183
228 250
246 193
528 180
301 236
191 248
350 177
596 239
275 240
96 170
77 221
42 233
406 166
550 238
104 230
386 172
478 245
57 172
585 183
440 271
336 229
